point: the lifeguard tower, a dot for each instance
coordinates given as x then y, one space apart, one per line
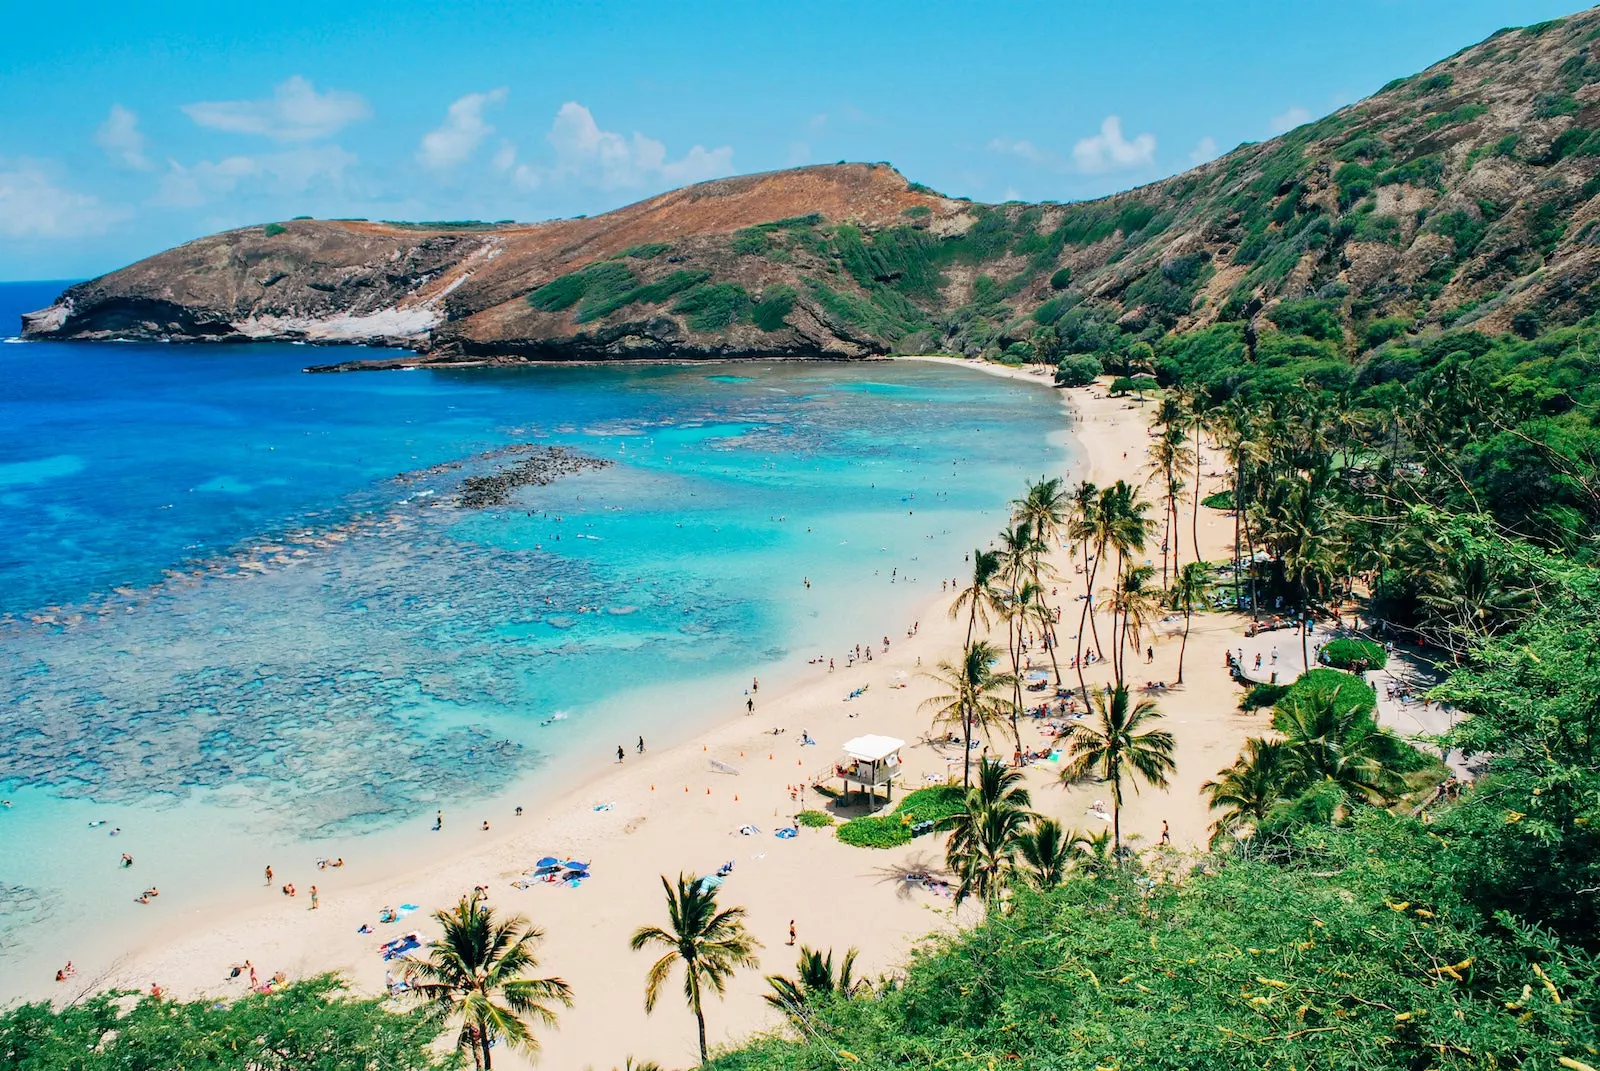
872 762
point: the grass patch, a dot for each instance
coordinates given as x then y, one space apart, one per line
814 819
894 828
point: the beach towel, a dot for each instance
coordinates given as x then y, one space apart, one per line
787 833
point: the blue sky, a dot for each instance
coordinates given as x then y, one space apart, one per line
127 128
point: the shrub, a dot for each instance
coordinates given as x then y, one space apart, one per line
559 293
916 211
1061 279
1218 500
647 251
771 311
713 307
1380 331
273 229
1078 370
814 819
1352 654
893 829
1263 695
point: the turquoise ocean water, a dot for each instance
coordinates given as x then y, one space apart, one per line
240 619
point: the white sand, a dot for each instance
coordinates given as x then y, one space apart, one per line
673 812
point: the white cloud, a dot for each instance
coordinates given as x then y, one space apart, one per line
1204 151
604 159
290 172
33 206
122 140
296 112
461 133
1290 119
1024 148
1110 151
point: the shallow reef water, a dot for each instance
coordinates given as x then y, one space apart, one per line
240 599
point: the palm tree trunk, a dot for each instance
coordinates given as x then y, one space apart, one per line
1116 816
966 728
1166 529
700 1021
1086 616
1015 640
1305 658
1184 646
484 1036
1048 630
1194 516
1238 513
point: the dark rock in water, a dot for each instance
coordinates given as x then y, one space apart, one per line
538 466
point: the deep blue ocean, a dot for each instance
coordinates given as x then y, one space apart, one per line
236 594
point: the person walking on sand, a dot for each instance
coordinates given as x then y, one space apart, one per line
620 753
438 821
269 873
1166 832
313 897
749 705
791 933
641 745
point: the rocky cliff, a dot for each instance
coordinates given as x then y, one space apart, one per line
1464 195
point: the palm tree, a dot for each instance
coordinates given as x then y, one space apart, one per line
815 981
1095 853
1019 551
1329 735
710 944
1082 529
1190 589
985 834
1047 506
1167 458
1137 603
1115 746
980 598
1117 521
477 972
1047 850
974 695
1248 789
1200 412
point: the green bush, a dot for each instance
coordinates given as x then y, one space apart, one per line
715 306
771 311
559 293
814 819
1078 370
272 230
1350 654
893 829
1222 500
916 212
1263 695
647 251
313 1023
1061 279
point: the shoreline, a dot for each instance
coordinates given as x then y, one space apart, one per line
671 810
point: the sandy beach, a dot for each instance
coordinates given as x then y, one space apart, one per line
680 809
